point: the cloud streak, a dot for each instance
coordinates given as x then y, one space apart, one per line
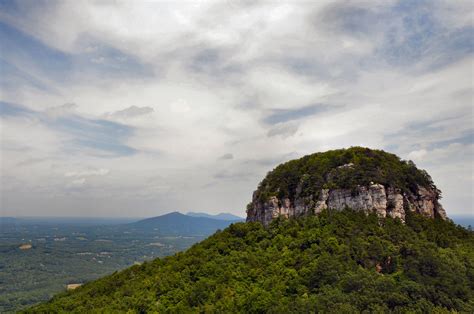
285 115
105 137
131 112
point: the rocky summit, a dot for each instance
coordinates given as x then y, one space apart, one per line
372 181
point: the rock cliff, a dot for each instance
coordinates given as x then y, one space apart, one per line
337 186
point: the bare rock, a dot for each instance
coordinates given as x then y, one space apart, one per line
321 204
368 200
395 203
376 198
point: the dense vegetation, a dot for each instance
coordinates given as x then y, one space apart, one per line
339 262
326 170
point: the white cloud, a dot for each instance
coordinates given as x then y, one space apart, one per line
78 182
283 129
417 155
87 173
130 112
217 70
61 110
227 156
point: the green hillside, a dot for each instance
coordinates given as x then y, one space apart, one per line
340 262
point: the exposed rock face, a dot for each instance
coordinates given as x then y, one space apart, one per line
365 199
376 198
363 179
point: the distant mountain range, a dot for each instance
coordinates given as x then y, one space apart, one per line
463 220
176 223
221 216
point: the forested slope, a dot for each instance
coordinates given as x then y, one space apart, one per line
336 262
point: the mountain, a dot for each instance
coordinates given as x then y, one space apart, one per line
372 181
340 261
221 216
179 224
464 220
394 251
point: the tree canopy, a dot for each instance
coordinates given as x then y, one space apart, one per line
338 261
342 168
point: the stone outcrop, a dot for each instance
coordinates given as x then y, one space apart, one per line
375 198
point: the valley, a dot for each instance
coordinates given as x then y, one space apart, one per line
41 257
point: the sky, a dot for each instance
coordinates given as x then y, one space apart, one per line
139 108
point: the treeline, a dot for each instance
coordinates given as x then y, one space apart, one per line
340 262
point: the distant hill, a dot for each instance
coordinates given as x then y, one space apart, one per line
221 216
463 220
179 224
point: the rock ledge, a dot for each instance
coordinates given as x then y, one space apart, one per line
375 198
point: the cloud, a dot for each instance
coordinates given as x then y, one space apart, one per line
61 110
78 182
265 81
285 115
284 130
103 137
26 53
87 173
15 79
9 109
227 156
131 112
442 131
30 161
404 33
232 175
417 154
81 177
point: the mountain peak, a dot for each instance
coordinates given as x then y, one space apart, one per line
181 224
220 216
364 179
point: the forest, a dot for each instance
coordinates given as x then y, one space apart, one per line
345 169
338 261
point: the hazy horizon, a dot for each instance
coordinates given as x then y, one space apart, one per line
463 220
118 217
142 217
142 108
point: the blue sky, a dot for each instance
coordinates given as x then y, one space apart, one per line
140 108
